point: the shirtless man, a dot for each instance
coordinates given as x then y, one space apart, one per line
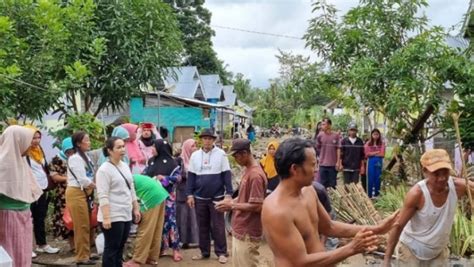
293 217
427 215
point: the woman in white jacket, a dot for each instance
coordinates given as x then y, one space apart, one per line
117 200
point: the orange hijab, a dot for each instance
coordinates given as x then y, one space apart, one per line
268 161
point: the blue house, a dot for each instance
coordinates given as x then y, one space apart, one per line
214 92
182 116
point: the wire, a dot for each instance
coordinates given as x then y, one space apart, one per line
257 32
28 84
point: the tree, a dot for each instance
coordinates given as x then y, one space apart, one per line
135 42
194 21
58 51
384 54
37 44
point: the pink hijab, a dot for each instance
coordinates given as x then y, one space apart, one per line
16 178
133 150
186 152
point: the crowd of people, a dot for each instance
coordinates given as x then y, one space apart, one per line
178 200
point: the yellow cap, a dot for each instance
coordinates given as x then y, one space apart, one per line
436 159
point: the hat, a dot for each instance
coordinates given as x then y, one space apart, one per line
239 144
67 144
207 132
352 126
436 159
147 125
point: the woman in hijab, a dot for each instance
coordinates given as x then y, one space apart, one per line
147 134
133 150
58 171
39 166
18 189
185 215
268 164
165 169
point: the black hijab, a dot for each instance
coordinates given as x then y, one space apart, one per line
163 163
148 141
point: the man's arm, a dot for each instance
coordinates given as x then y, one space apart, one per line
332 228
289 248
410 206
461 188
257 194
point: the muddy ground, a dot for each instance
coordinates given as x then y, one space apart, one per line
66 258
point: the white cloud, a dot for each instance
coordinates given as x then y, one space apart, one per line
254 54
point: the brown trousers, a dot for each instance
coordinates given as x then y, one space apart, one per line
150 230
245 253
408 259
77 205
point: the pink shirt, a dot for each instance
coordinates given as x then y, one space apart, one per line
327 146
370 149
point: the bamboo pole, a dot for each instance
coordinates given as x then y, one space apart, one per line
455 117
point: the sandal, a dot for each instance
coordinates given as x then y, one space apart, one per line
199 257
222 259
87 262
151 262
177 256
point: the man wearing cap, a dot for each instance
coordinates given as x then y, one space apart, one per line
246 224
209 180
352 155
427 215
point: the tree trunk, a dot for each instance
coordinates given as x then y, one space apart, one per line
414 133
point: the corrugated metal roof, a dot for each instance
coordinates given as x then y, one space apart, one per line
457 42
229 95
212 87
184 82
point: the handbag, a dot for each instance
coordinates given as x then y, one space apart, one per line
91 206
129 188
68 222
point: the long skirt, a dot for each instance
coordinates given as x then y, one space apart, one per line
170 238
374 172
187 223
16 235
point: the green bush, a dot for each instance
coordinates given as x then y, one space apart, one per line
83 122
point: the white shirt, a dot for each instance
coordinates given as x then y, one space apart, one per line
39 173
112 190
427 232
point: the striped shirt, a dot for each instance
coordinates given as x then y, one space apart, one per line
209 175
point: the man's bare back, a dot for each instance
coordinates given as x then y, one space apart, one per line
293 217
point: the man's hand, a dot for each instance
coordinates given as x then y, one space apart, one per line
190 202
385 225
160 177
224 205
339 166
364 241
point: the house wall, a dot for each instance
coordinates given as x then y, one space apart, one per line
170 117
213 116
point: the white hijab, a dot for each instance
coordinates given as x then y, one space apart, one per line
16 178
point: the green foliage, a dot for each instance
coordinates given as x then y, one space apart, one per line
83 122
341 122
54 53
194 21
383 54
391 198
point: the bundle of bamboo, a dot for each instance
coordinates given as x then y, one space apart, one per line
352 205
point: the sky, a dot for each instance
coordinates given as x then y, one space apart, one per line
254 54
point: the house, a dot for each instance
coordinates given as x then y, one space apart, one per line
182 116
214 91
184 82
